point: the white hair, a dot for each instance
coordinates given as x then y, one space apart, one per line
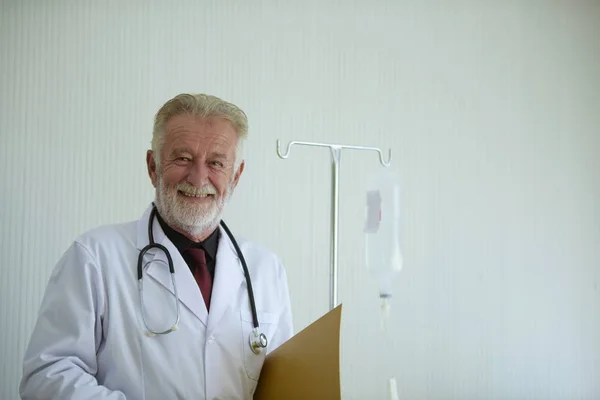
204 106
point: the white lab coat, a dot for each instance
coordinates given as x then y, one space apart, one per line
90 342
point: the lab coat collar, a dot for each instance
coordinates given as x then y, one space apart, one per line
229 273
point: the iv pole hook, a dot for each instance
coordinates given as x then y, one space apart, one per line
334 146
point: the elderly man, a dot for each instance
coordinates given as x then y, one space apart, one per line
116 324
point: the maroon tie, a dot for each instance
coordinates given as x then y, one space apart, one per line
201 274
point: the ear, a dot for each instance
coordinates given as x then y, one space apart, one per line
238 173
151 165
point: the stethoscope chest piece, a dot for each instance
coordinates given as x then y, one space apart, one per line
258 341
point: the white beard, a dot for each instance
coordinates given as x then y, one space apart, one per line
192 219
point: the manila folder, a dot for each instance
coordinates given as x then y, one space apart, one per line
307 366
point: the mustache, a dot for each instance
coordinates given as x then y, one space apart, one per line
196 191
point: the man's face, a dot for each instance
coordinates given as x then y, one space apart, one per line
196 176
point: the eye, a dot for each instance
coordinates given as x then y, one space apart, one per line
216 163
182 160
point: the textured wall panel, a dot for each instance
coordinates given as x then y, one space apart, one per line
491 110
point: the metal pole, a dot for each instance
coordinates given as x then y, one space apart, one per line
336 152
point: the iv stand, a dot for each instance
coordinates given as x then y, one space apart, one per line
336 151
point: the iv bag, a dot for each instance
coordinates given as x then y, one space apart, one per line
382 240
382 229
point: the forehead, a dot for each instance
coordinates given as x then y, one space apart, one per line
199 133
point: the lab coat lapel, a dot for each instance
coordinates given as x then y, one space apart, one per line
156 267
229 276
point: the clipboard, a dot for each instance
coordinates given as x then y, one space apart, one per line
307 366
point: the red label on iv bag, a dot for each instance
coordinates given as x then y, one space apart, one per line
373 217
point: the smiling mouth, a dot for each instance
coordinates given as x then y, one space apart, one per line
194 195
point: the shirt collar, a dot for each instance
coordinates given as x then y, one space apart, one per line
182 243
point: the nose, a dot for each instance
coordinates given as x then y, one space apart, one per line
198 173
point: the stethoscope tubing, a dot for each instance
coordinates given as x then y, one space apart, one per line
240 255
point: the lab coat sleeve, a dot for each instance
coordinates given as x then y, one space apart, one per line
285 328
60 360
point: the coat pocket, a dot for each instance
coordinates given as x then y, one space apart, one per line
267 324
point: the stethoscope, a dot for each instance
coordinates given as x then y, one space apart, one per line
257 340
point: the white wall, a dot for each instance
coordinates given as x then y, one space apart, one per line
491 109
